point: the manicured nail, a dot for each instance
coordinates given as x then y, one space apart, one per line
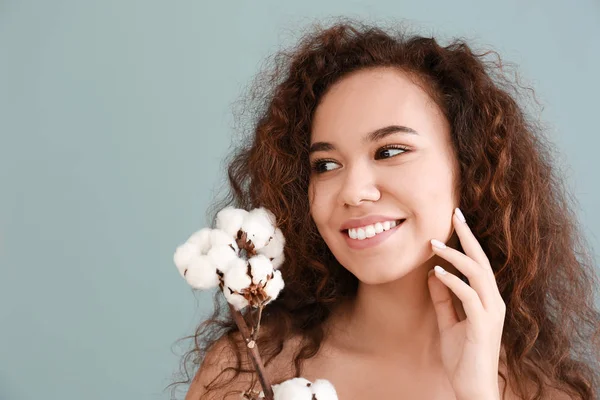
438 244
459 214
440 270
430 273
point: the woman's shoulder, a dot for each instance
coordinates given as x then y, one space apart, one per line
228 354
214 369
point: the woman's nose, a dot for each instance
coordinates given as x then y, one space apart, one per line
358 185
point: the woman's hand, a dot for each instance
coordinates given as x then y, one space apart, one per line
470 349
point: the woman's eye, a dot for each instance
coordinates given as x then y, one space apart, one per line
391 151
320 166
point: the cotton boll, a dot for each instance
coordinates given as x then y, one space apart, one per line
202 239
323 390
268 215
274 248
219 238
238 301
230 220
274 286
260 268
236 277
293 389
278 261
202 273
222 256
259 227
184 255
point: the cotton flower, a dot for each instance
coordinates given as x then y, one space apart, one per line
238 301
219 238
323 390
259 226
235 281
255 280
222 256
293 389
278 261
274 285
184 255
196 245
303 389
274 247
236 277
215 257
260 268
230 220
201 238
202 273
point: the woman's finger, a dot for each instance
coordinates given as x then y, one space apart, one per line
479 279
466 294
441 297
468 241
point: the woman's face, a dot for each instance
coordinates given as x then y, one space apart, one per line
405 173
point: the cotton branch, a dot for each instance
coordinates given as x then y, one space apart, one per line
242 256
253 352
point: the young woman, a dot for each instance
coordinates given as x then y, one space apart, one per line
382 156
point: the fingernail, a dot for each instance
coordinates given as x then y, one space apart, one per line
459 214
430 273
438 244
440 270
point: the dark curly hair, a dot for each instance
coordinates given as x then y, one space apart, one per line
517 205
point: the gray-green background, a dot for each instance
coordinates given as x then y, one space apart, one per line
114 119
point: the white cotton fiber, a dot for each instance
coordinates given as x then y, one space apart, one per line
219 238
323 390
278 261
202 273
236 277
293 389
274 248
236 300
201 238
184 255
230 220
259 227
260 268
222 256
274 285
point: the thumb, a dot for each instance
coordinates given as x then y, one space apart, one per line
442 303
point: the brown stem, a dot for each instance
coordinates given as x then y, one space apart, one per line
253 352
257 327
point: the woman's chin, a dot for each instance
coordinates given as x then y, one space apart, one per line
378 276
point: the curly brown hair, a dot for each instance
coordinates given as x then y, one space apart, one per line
517 204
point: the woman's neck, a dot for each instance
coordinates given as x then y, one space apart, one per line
392 320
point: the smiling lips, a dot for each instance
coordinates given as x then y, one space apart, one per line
369 231
370 235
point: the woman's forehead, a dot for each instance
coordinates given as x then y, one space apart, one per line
369 100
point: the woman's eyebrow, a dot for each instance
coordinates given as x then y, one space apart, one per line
377 134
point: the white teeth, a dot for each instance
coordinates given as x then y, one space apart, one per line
370 230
